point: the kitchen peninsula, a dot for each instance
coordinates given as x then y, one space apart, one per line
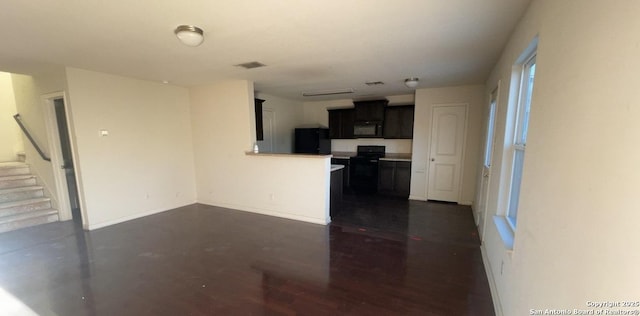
293 186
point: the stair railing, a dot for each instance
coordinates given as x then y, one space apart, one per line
33 142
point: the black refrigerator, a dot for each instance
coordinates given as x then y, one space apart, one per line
312 141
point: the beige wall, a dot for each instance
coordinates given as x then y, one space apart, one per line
9 131
29 90
576 238
473 96
288 115
145 164
223 120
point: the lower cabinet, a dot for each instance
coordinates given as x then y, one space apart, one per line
345 173
394 178
335 203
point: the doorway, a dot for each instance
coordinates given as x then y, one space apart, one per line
448 131
67 159
266 145
62 158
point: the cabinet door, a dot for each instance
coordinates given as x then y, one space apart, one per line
341 123
398 122
345 172
335 199
386 170
402 179
406 119
258 109
392 121
335 124
347 120
370 110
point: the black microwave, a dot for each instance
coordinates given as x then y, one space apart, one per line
367 129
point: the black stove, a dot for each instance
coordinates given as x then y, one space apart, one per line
364 168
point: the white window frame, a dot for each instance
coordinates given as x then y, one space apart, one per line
520 138
490 132
515 144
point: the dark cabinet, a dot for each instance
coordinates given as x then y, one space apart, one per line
335 195
345 174
394 178
370 110
258 109
312 141
341 123
398 122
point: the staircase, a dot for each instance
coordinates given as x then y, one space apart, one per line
22 201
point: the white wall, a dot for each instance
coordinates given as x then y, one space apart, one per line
391 145
473 96
576 238
288 115
287 186
145 165
28 91
9 131
315 112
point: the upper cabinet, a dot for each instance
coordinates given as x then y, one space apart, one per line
341 123
258 109
398 122
370 110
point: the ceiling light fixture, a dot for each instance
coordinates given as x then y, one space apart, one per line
190 35
327 92
411 82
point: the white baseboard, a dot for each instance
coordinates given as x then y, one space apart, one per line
469 203
417 198
497 305
244 208
137 215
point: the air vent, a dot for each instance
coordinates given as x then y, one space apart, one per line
374 83
326 92
251 65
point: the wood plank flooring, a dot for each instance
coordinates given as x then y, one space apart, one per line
379 257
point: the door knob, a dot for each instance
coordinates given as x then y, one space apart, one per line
433 159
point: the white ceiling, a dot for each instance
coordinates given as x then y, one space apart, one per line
306 45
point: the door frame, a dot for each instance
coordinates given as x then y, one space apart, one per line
484 191
51 123
464 147
273 127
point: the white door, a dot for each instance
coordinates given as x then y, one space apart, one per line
447 145
487 158
268 131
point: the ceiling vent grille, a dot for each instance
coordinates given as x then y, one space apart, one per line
374 83
251 65
327 92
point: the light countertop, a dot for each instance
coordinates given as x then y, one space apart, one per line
336 167
387 156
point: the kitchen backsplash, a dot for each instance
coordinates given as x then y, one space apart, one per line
392 145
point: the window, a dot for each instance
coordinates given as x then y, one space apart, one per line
520 137
491 123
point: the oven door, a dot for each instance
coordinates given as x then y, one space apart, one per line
364 174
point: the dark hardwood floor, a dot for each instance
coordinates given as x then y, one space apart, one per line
380 256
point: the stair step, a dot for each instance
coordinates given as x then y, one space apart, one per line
16 181
22 206
22 193
28 219
13 168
